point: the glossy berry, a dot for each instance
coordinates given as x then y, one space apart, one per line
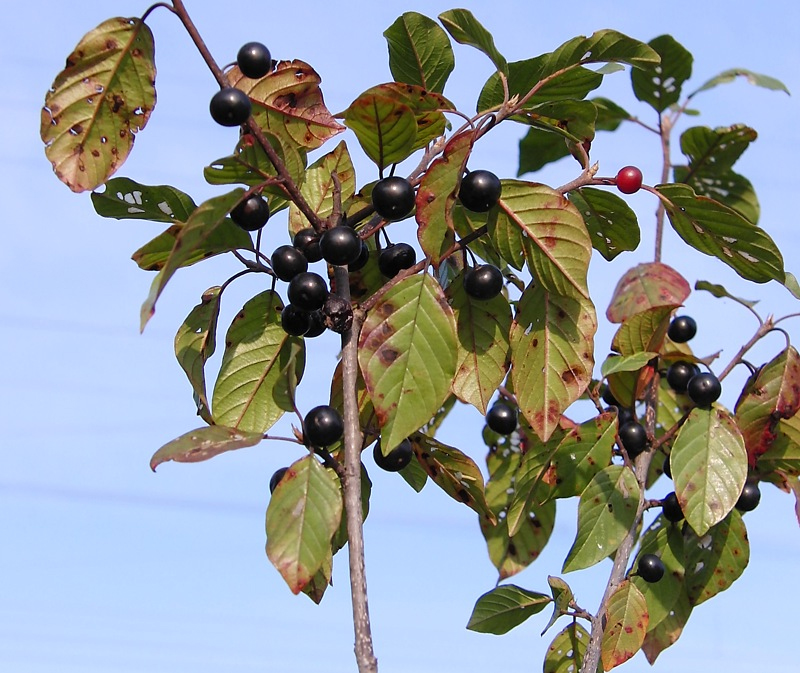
624 415
361 260
479 191
230 107
483 282
671 508
393 198
679 374
396 459
502 418
317 327
307 291
295 321
681 329
633 438
322 426
666 469
307 242
276 479
703 389
396 257
252 213
629 180
750 497
254 60
650 568
287 262
340 246
609 399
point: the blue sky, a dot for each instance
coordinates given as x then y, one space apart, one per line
107 567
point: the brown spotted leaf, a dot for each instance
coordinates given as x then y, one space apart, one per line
407 355
202 444
582 453
644 331
97 104
644 287
626 625
783 455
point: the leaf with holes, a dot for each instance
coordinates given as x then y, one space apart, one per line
729 188
712 151
419 52
194 345
482 327
660 85
626 622
386 128
303 514
203 444
565 654
501 609
551 354
582 453
260 369
709 467
646 286
407 353
123 199
98 103
466 29
611 223
606 513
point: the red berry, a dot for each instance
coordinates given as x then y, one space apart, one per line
629 180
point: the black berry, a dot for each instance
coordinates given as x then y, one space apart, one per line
254 60
252 213
650 568
307 242
317 327
671 508
704 389
276 479
624 415
750 497
230 107
322 426
340 246
393 198
679 374
681 329
629 180
483 282
666 469
502 418
307 291
609 399
396 257
396 459
479 191
361 260
295 321
633 437
287 262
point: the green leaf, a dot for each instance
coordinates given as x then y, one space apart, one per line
611 223
195 343
721 232
668 630
466 29
539 148
407 353
202 224
609 114
721 293
583 452
626 363
571 119
709 467
202 444
566 652
603 46
644 287
551 355
790 281
644 331
606 512
660 85
752 77
501 609
483 347
303 514
97 104
260 369
716 559
385 127
466 222
626 622
419 52
562 599
125 199
713 151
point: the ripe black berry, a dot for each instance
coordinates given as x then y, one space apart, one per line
650 568
340 246
393 198
396 459
609 399
671 508
502 418
276 479
666 469
287 262
703 389
322 426
295 321
252 213
396 257
624 415
679 374
483 282
317 324
307 242
681 329
230 107
629 180
633 437
254 60
750 497
307 291
479 191
361 260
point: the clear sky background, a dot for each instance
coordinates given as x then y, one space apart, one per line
105 566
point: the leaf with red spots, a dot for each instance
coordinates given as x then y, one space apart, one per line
566 652
260 368
606 513
552 341
709 467
626 621
97 104
288 102
407 354
771 395
783 455
584 451
303 514
644 287
202 444
666 632
501 609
